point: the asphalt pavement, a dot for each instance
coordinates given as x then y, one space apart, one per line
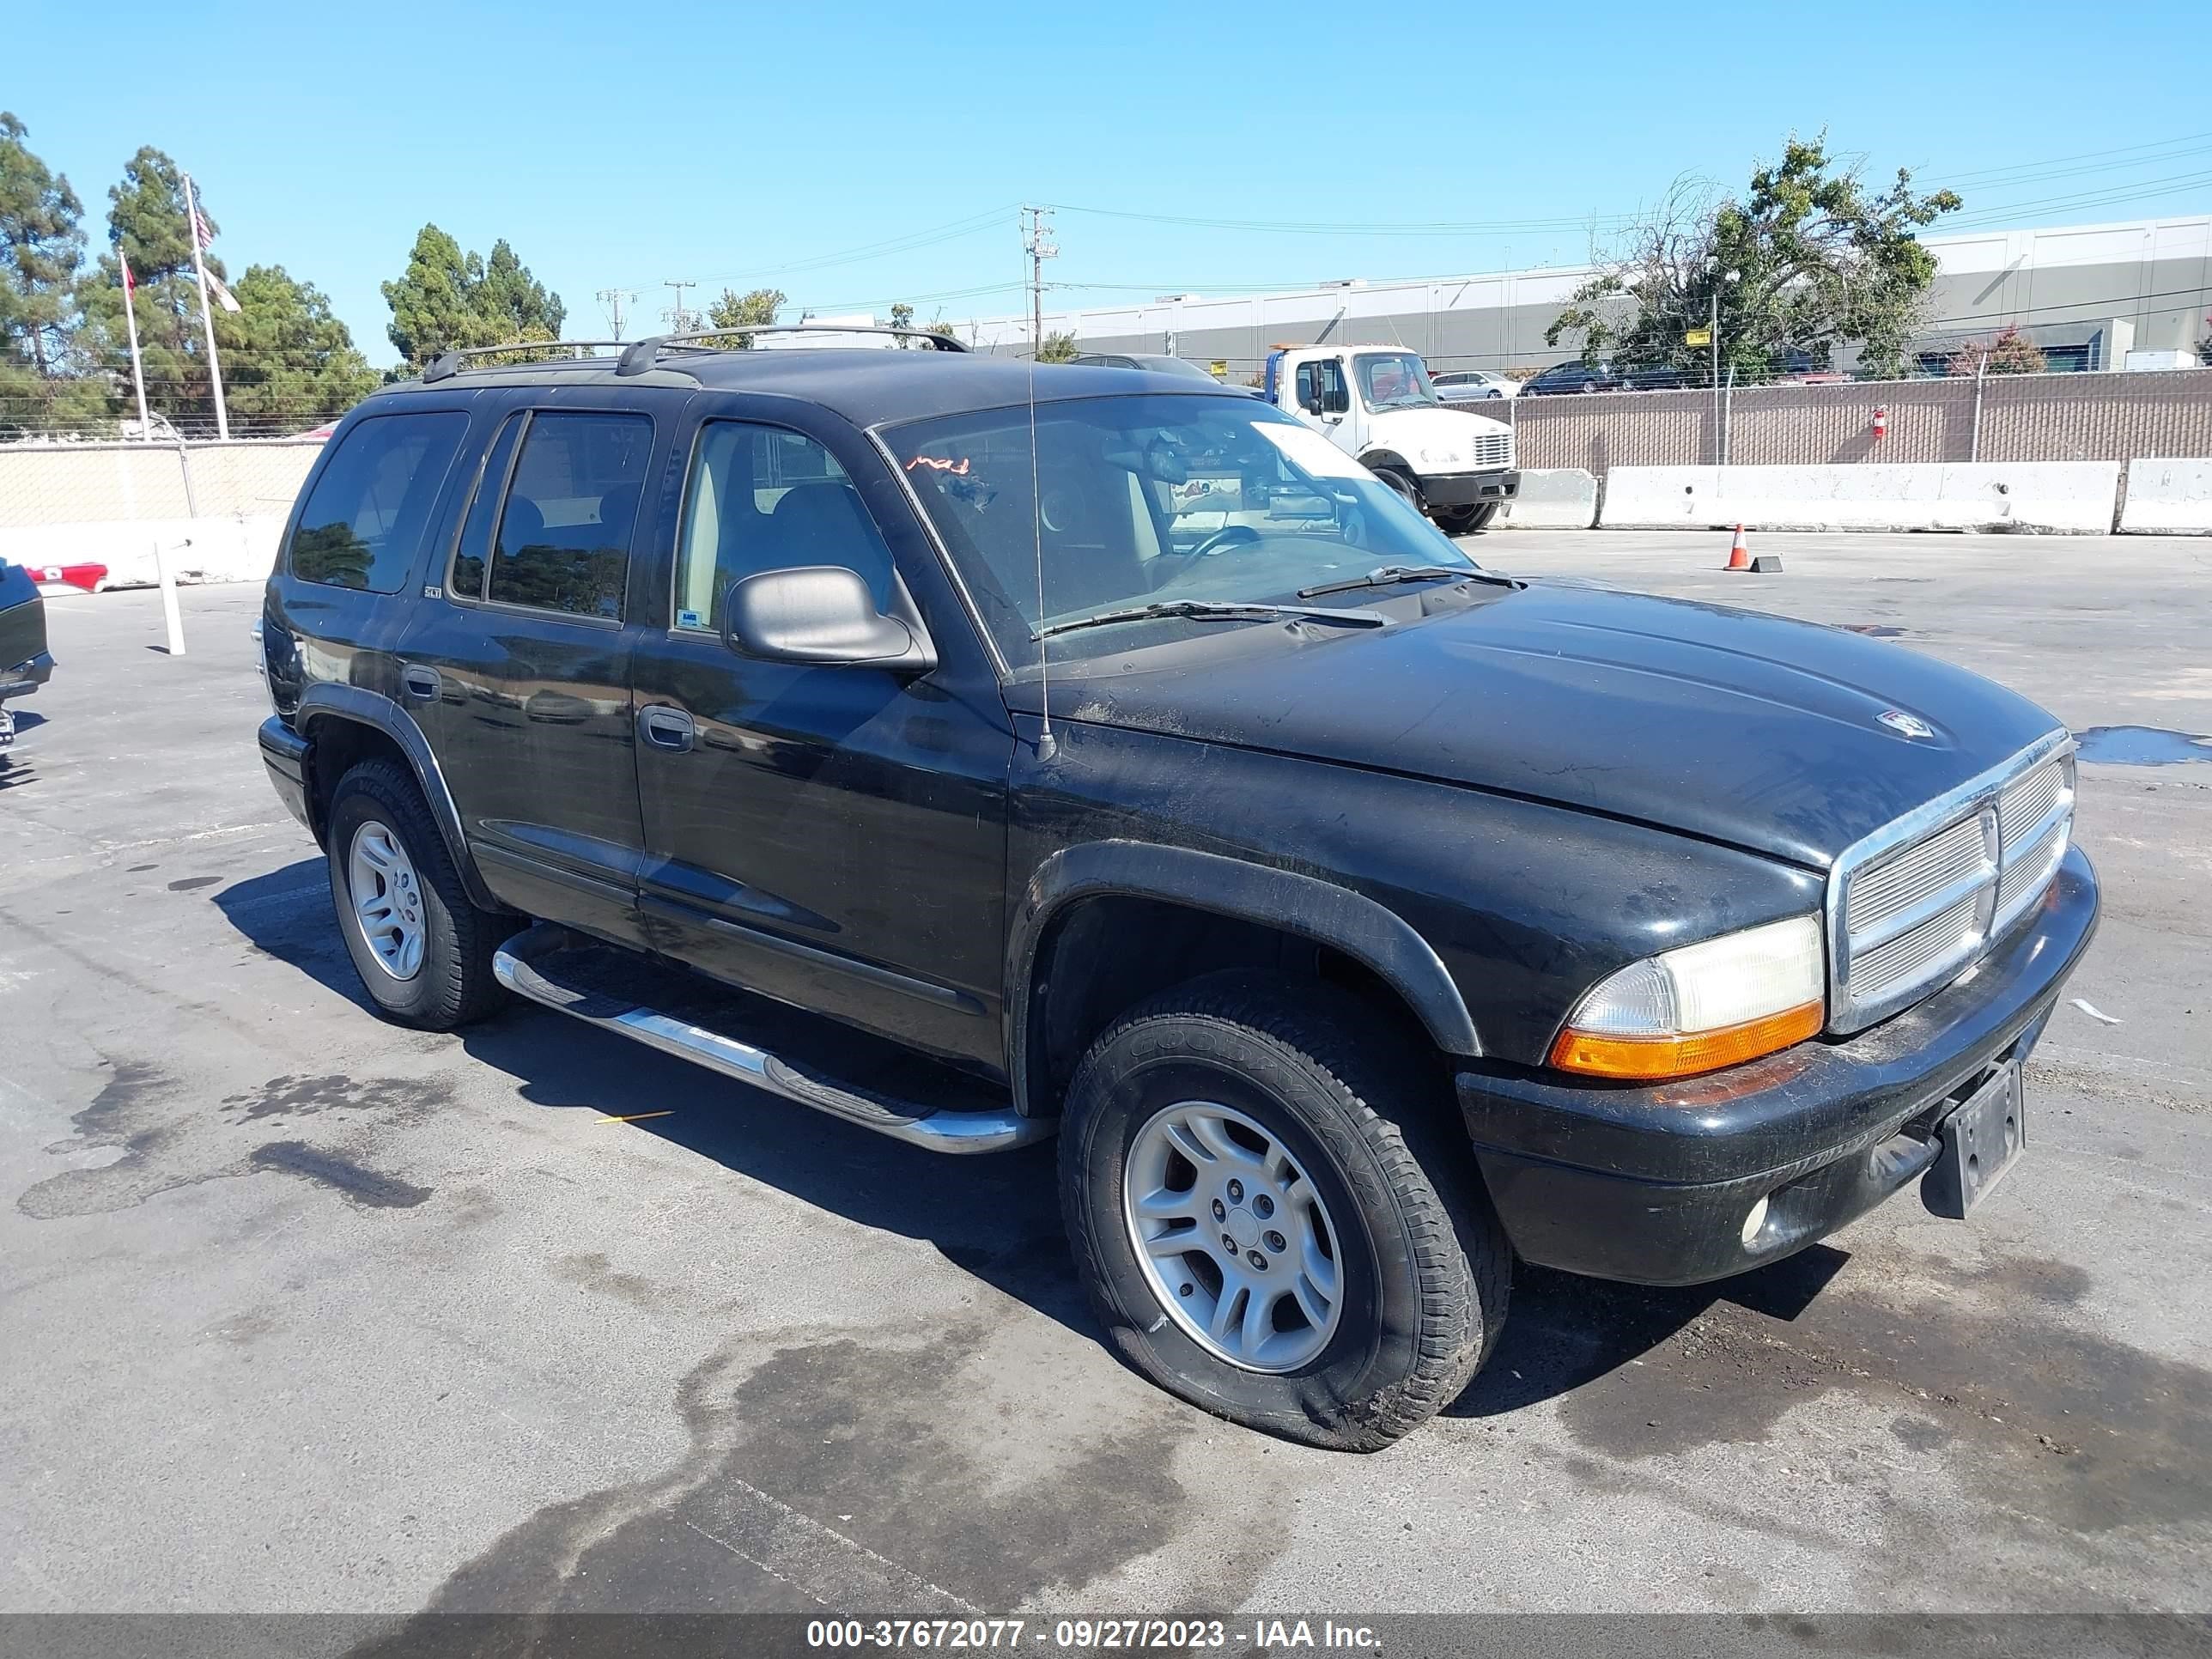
303 1312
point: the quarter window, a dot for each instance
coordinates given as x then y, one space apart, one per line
764 498
471 554
366 517
564 529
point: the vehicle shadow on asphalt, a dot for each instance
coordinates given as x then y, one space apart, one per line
996 1218
1566 1332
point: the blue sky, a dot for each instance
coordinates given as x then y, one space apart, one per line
746 146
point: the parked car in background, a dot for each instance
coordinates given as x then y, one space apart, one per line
1570 377
1473 385
1159 363
24 662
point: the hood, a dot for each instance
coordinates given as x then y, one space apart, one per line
1748 729
1444 430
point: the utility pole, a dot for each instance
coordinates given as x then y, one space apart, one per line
612 300
1038 243
679 319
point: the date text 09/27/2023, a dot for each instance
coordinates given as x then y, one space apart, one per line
1137 1634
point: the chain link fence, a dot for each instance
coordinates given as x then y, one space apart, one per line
1988 417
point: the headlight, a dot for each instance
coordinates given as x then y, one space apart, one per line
1702 1007
1441 456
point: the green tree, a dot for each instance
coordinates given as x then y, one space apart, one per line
287 362
1057 348
735 310
148 224
1808 259
447 301
515 299
2009 353
43 383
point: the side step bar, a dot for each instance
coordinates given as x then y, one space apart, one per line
529 965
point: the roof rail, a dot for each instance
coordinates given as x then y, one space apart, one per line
646 353
447 364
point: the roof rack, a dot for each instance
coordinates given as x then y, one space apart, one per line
646 353
447 364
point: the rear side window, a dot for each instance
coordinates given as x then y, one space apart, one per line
564 529
365 519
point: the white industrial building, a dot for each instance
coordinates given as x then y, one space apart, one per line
2088 295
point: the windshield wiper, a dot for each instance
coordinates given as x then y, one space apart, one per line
1390 574
1213 610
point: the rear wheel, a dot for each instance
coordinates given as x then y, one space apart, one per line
422 950
1268 1218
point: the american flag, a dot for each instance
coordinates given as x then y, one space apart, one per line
129 288
202 235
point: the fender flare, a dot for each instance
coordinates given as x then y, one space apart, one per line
361 706
1322 911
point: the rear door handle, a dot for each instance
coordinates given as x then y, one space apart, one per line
419 682
665 727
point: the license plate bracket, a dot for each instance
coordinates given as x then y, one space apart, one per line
1982 1138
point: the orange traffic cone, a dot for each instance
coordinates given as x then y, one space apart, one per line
1739 553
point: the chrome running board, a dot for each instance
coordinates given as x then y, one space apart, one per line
532 965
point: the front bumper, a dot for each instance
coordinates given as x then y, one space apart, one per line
1469 488
27 676
1653 1184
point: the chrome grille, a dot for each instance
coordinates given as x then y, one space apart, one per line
1886 896
1916 902
1493 449
1948 937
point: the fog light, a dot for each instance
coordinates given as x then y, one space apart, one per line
1753 1219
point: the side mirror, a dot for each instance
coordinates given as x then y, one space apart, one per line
822 614
1335 399
1311 405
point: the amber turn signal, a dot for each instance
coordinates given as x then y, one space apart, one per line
1683 1054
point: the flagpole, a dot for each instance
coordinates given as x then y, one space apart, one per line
207 313
137 369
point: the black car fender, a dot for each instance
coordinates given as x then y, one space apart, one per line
1322 911
326 700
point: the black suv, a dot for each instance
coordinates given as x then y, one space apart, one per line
975 752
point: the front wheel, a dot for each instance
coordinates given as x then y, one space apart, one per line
1464 520
1267 1218
1403 484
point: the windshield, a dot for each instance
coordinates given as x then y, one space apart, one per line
1393 380
1149 500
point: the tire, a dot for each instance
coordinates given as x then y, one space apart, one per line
1464 520
445 980
1422 1270
1403 484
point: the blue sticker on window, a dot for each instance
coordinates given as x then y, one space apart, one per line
688 619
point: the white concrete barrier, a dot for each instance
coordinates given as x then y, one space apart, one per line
233 550
2167 498
1553 498
2050 497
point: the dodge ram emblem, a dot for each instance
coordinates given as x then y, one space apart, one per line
1904 725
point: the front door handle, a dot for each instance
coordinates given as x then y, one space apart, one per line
665 727
419 682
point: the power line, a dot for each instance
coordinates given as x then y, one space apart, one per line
612 300
678 320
